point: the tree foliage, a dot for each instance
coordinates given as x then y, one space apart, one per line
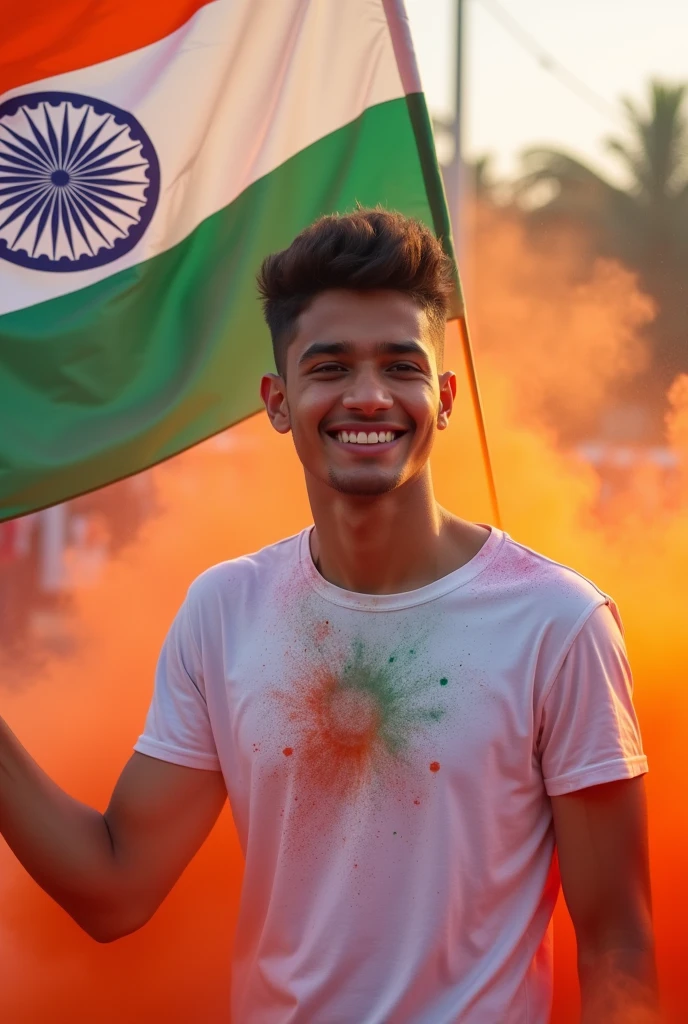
645 224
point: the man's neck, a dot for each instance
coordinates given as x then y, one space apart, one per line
389 544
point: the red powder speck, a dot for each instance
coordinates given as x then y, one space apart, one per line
434 766
288 752
417 802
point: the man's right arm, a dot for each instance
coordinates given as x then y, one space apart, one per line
109 871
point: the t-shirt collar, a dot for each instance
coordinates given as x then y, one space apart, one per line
408 599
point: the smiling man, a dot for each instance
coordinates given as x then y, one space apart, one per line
412 714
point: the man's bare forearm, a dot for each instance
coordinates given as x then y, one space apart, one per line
619 986
63 844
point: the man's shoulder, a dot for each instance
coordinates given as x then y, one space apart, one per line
255 567
544 602
542 579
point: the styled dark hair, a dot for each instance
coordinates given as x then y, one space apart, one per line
362 251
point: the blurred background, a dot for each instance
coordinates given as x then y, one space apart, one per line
563 137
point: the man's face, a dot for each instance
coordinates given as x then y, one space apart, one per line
361 363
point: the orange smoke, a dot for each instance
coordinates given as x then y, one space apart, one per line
552 337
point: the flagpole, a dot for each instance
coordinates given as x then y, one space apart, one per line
479 418
456 201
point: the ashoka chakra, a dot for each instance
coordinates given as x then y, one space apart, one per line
79 181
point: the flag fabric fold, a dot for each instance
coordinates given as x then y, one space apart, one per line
143 180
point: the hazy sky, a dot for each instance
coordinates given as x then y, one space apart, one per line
614 46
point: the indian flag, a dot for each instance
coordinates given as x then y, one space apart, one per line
150 156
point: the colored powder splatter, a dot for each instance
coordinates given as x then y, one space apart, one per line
288 751
434 766
443 681
356 725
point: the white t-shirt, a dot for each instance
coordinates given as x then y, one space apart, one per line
388 761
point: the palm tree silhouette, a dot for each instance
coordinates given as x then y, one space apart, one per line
645 225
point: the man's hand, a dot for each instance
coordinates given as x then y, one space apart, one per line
601 836
109 871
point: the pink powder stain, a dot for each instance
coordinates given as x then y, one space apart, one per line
290 587
513 565
321 631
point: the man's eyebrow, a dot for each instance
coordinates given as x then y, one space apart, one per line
340 348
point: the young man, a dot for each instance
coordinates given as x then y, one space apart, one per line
409 711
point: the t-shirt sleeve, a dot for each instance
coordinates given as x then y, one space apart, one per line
178 725
589 731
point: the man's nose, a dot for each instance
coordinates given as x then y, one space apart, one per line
367 391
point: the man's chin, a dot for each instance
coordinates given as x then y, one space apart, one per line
362 485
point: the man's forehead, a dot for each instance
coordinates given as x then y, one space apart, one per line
362 316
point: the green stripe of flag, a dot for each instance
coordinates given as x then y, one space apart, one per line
111 379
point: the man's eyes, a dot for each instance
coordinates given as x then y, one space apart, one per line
331 367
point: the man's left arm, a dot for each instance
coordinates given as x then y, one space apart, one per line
601 836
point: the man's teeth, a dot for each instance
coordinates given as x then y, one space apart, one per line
349 437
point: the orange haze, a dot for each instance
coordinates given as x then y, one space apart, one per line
550 335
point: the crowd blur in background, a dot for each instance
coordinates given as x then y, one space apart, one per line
46 556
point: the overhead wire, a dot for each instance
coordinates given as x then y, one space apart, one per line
547 61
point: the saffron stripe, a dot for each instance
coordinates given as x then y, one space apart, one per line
41 38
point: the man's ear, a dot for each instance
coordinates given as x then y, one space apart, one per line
273 392
447 395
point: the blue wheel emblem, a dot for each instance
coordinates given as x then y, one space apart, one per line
79 181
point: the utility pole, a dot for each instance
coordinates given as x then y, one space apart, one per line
455 185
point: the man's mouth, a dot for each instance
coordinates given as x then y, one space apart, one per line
368 441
